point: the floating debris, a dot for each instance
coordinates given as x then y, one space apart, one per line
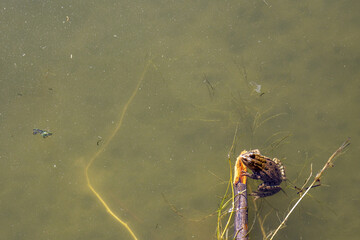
99 141
43 133
257 87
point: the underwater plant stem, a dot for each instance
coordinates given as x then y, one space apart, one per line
232 202
104 146
220 232
260 219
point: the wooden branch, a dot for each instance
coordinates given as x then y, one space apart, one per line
316 180
240 202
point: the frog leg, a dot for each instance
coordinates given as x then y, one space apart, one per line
265 191
253 176
264 187
281 167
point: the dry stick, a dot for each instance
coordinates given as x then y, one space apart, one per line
240 201
316 179
241 212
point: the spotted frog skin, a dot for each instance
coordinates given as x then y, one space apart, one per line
270 171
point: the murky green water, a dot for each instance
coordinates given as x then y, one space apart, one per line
70 67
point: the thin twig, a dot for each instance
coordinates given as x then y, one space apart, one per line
316 179
307 180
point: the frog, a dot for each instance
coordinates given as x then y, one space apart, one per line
270 171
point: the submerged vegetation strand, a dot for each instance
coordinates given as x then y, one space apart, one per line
104 146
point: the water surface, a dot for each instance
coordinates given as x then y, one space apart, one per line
70 67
